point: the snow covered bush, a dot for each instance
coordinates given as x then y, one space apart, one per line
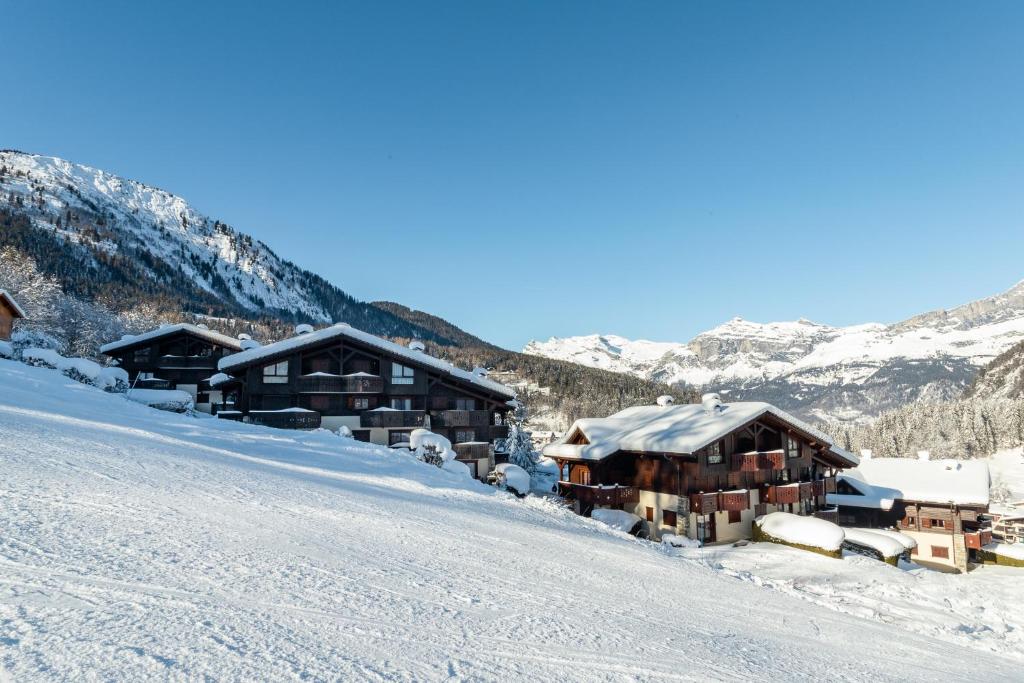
6 349
41 358
1004 554
618 519
113 379
806 533
430 447
345 432
676 541
172 400
511 477
80 370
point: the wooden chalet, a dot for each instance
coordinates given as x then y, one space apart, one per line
181 356
941 504
340 376
700 470
9 312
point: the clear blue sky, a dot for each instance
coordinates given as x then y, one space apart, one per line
552 168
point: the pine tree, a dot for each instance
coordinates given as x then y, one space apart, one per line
518 444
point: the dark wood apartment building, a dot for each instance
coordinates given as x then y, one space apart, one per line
9 312
340 376
181 356
700 470
941 504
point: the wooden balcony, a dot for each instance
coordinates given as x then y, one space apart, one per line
830 484
461 418
733 501
828 514
473 450
600 495
187 362
285 419
391 418
976 539
340 384
499 432
806 490
704 503
784 495
754 461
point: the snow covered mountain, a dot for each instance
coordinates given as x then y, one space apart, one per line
117 239
848 373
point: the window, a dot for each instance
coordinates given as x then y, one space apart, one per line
734 517
276 373
464 435
792 448
938 523
939 551
465 404
650 514
668 518
909 522
397 437
715 453
401 403
401 374
141 355
359 403
760 509
497 420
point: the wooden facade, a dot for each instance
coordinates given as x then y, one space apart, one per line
380 396
9 312
714 493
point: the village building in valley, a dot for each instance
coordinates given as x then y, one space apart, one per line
704 471
9 312
181 356
941 504
342 377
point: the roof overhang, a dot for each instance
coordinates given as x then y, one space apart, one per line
19 312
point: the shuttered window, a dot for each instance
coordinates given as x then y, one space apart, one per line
668 518
941 552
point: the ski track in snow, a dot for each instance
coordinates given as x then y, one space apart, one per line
139 545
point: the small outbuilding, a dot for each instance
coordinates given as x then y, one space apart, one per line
9 312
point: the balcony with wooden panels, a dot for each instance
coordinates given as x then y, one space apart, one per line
976 539
187 362
322 383
758 460
828 514
461 418
472 450
733 501
704 503
391 418
499 432
600 495
786 494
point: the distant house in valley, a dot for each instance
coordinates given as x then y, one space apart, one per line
342 377
9 312
181 356
941 504
699 470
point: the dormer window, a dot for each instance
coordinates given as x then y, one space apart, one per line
276 373
792 448
401 374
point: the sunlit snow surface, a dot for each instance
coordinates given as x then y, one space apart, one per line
139 545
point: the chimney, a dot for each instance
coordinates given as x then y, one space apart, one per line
712 403
303 329
416 345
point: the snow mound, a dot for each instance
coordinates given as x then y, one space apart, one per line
677 541
173 400
888 547
512 477
904 540
805 531
616 519
6 349
112 379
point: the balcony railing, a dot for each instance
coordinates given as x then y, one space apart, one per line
461 418
733 501
285 419
828 514
600 495
784 495
391 418
976 539
473 450
187 362
752 462
704 503
499 432
340 384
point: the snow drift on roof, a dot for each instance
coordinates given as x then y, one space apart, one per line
168 330
12 303
885 480
679 429
342 330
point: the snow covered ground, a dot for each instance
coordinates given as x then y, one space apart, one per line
136 544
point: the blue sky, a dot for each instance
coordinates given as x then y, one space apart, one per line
556 168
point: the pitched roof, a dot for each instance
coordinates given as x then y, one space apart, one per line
681 429
345 331
882 481
18 310
130 340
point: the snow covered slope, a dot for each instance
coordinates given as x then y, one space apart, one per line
816 370
137 545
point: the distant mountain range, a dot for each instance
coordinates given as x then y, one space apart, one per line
821 372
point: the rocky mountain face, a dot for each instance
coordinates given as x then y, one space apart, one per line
821 372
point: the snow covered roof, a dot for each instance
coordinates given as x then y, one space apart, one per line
18 310
345 331
882 481
681 429
130 340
